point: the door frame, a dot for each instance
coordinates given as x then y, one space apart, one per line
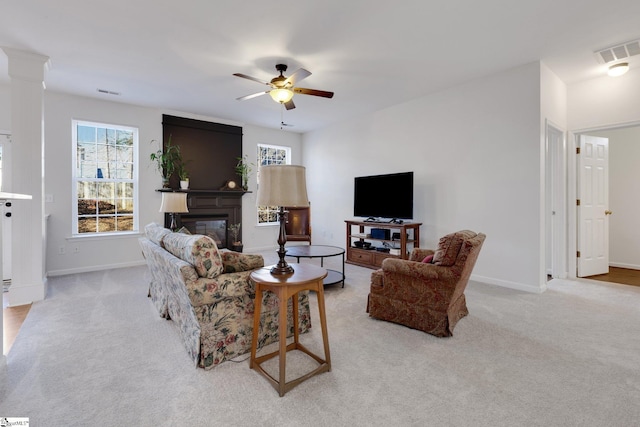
5 251
572 194
556 200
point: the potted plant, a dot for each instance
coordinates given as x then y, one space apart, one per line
166 161
183 174
236 243
243 169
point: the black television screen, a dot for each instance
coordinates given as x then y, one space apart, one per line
384 196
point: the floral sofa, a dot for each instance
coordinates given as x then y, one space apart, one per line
209 294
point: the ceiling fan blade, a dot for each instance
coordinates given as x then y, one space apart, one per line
244 76
313 92
299 75
289 105
253 95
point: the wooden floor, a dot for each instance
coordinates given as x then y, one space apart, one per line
625 276
13 318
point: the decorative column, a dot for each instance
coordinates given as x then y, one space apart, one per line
28 281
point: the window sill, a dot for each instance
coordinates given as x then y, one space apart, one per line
105 236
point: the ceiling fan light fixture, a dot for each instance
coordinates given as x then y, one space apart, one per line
281 95
618 69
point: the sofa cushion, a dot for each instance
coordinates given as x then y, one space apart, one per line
198 250
155 232
449 247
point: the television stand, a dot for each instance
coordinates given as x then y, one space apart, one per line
360 231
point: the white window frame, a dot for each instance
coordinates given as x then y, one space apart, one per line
75 179
262 162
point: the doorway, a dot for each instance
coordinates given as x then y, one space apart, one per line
624 182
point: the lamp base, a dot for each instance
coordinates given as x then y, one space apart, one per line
278 270
282 268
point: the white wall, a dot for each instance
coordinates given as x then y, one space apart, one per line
624 188
475 152
109 252
604 102
5 107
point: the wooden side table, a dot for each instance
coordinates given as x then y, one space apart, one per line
305 277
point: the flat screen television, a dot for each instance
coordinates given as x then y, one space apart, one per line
384 196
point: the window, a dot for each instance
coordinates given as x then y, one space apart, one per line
271 155
105 177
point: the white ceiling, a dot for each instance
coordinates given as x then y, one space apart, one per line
180 55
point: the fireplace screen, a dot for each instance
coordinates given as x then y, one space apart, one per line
216 228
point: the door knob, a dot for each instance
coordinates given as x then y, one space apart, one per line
608 212
8 214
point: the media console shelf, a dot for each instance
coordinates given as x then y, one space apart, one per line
360 231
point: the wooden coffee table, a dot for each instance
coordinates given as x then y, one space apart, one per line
305 277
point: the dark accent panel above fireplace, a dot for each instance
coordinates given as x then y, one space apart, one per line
211 150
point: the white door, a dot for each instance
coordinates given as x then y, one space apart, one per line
593 210
5 175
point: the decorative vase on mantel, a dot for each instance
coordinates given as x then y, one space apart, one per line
184 184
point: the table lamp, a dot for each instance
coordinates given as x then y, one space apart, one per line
173 203
282 185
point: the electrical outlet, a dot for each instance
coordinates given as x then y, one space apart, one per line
76 250
62 250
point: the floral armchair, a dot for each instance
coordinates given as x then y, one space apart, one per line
426 292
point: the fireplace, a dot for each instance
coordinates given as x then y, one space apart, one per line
210 213
212 226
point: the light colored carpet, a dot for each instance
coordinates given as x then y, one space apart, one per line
95 352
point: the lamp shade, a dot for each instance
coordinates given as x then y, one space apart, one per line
282 185
174 202
281 95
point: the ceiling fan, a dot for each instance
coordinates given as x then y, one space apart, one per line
283 88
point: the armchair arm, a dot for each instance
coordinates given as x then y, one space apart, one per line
413 281
234 261
416 270
231 285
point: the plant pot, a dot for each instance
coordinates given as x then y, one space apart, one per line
237 247
184 185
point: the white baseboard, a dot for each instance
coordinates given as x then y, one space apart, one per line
508 284
90 268
622 265
21 294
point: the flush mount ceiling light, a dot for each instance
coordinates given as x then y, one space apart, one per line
618 69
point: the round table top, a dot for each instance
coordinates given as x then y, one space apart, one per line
311 251
302 273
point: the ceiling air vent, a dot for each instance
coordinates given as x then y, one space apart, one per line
108 92
619 52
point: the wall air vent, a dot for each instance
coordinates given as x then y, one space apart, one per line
616 53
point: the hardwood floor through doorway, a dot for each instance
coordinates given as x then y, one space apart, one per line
625 276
